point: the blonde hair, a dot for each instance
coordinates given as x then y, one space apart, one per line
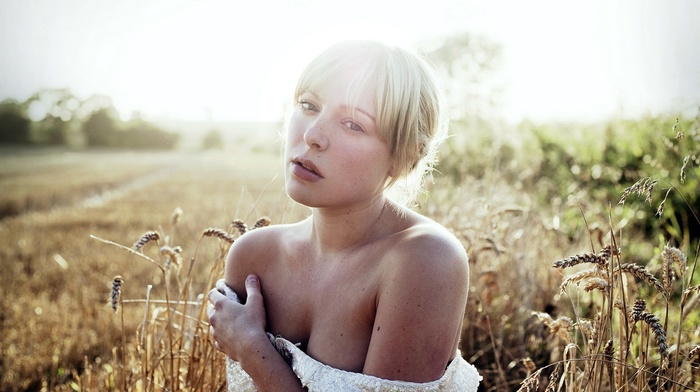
410 115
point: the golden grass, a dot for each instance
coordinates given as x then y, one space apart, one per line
41 180
626 362
55 282
527 325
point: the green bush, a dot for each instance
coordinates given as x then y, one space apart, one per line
575 169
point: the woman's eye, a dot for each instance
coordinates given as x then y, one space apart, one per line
354 126
306 105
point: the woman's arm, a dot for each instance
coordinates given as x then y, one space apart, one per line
239 331
420 308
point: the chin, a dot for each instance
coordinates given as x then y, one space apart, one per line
307 198
300 196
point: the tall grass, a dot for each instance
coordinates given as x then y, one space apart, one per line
172 349
632 327
56 322
535 319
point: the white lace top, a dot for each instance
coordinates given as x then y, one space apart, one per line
317 377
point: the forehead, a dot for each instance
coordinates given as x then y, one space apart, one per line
359 60
352 86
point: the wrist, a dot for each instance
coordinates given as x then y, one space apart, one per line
254 344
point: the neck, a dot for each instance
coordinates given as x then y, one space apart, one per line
335 230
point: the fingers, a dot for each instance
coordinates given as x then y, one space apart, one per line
215 295
252 288
212 333
217 298
210 312
228 318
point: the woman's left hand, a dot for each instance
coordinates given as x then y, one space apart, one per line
238 328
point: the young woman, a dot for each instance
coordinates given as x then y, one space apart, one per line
364 294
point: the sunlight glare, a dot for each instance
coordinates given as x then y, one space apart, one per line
278 85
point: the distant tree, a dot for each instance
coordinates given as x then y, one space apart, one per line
100 129
59 103
213 140
14 123
54 131
140 134
470 65
53 110
94 103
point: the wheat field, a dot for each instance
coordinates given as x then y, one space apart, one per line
107 257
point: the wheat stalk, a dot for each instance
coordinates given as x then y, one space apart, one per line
531 383
560 327
262 222
641 273
146 238
585 326
578 277
529 365
172 254
600 259
683 168
694 356
552 384
117 284
176 216
671 255
240 226
218 233
643 187
608 352
596 284
638 313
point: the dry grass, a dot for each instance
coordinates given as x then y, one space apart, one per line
613 351
55 311
172 349
42 180
635 328
574 327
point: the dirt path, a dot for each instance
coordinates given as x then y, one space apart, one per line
41 181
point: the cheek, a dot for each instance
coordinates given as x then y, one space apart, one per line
370 165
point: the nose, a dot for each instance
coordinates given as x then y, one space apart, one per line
315 135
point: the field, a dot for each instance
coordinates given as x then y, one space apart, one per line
56 280
527 325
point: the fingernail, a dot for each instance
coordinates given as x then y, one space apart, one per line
252 279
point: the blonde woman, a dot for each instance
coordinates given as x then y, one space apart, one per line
364 294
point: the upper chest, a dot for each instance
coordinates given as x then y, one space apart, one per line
316 291
326 305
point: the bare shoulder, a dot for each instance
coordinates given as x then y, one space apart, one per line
250 244
426 250
254 253
420 303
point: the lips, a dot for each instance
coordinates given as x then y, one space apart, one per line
305 169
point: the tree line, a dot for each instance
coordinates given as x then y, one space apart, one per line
468 64
56 117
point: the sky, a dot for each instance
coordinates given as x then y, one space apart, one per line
238 61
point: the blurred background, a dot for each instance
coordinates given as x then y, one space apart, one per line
194 65
119 117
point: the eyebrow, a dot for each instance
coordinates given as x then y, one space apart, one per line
365 112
